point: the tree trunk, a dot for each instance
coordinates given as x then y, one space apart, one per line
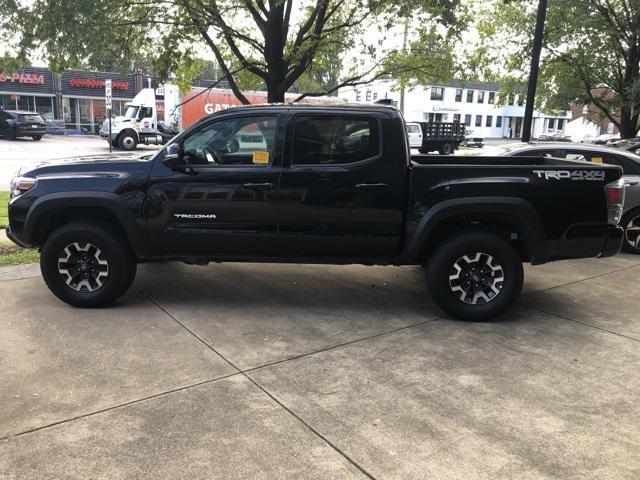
628 123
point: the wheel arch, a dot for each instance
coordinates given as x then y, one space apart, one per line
503 215
52 210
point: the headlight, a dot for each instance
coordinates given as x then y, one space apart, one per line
19 185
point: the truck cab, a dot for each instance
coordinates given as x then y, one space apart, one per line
140 123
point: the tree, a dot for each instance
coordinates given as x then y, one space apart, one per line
591 53
274 43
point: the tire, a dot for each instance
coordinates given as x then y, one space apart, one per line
458 255
127 140
37 138
631 224
445 149
107 254
9 133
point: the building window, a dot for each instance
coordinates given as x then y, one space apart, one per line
481 96
375 95
520 100
467 120
510 99
358 96
499 122
492 98
489 121
456 117
469 96
437 93
560 123
478 120
458 94
368 96
552 124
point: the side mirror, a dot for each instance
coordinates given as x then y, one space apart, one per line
173 155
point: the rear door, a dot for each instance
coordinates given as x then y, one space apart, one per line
338 191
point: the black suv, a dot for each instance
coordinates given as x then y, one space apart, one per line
19 123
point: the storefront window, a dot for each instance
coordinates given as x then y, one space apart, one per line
7 102
99 114
44 105
86 117
69 106
25 103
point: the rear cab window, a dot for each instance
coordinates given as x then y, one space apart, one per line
334 140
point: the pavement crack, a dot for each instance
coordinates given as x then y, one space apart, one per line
269 394
580 280
120 405
564 317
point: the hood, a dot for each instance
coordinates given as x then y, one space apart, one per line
88 160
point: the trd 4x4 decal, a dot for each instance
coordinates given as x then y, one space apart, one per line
580 175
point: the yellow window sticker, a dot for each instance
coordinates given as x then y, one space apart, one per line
596 160
261 157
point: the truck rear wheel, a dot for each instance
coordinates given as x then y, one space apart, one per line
445 149
631 224
87 265
474 275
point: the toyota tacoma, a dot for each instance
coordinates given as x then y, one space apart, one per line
313 184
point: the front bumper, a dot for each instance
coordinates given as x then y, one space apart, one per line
613 241
13 238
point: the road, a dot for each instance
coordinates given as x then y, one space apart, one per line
14 154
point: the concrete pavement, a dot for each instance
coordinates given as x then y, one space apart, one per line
287 371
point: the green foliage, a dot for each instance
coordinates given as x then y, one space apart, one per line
312 45
4 204
591 53
11 254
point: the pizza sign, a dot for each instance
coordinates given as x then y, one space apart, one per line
25 78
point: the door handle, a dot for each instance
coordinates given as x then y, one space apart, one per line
371 186
630 183
259 186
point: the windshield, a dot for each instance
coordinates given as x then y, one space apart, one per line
131 112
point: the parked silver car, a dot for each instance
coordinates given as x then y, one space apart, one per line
629 162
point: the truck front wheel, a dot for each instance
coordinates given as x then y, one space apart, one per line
474 275
128 140
87 265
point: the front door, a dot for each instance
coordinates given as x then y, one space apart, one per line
338 194
222 199
414 131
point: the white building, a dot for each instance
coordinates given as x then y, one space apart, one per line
474 104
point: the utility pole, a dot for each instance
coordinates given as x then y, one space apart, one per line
404 48
535 66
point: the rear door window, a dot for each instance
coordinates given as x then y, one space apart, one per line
334 140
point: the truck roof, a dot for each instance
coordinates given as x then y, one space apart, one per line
311 106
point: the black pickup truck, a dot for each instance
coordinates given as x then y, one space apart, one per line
313 184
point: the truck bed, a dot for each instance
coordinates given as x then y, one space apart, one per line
568 194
